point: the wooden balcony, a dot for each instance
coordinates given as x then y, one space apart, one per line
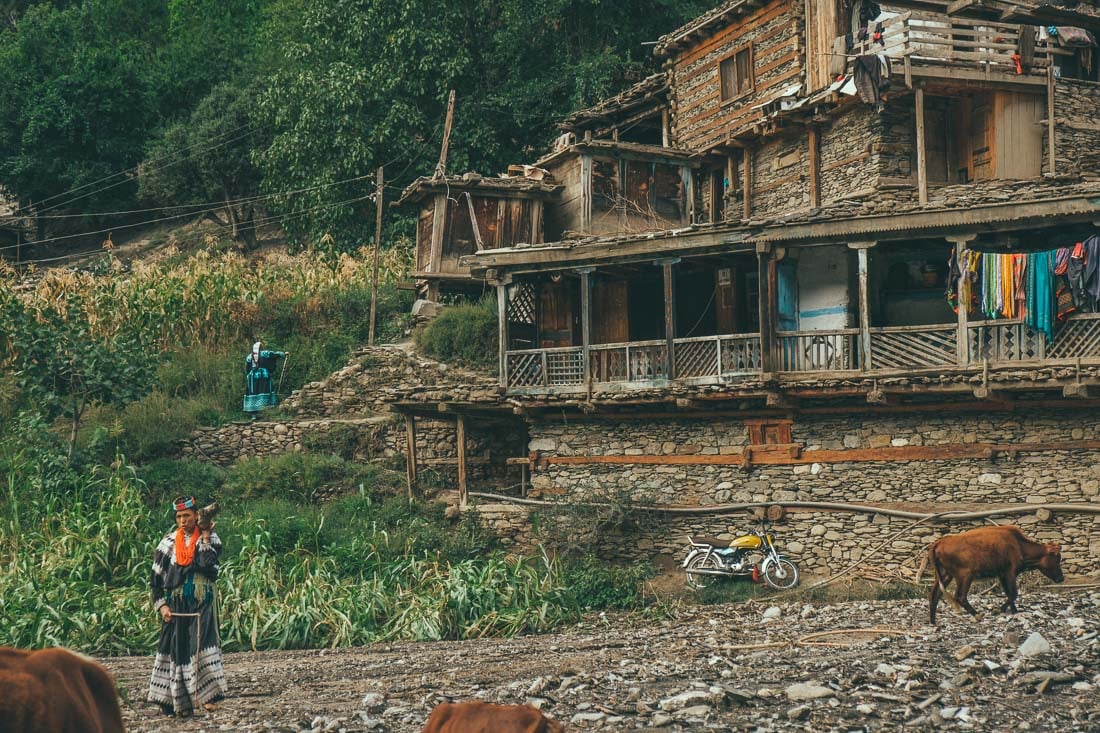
932 45
875 351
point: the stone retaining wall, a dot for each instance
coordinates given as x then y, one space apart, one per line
372 438
825 539
1076 128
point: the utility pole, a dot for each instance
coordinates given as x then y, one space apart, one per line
441 169
377 249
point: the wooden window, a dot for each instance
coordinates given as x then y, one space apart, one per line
769 432
735 74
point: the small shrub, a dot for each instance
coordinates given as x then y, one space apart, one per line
297 477
167 478
464 334
153 426
597 585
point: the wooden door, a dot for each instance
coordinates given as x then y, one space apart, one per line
787 295
1019 134
610 309
982 139
556 315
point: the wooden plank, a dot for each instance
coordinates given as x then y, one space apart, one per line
460 439
502 332
846 161
864 310
410 453
922 152
746 184
1050 120
815 166
586 326
670 316
857 455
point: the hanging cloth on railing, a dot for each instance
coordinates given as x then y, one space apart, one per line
1040 293
1019 275
1008 286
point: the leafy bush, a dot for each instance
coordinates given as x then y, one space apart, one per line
465 334
596 584
167 478
297 477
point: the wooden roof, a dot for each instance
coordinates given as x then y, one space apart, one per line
704 25
651 91
513 187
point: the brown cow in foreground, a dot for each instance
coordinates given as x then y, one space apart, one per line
988 552
483 717
56 691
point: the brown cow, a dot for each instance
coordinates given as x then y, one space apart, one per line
988 552
56 691
483 717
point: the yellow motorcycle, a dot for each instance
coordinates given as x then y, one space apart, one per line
754 555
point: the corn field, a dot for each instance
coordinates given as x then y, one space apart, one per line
204 299
74 571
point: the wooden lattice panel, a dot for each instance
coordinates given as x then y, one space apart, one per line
521 304
914 348
565 368
525 370
648 362
1079 336
697 358
1006 342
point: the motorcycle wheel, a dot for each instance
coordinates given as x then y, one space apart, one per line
781 575
702 562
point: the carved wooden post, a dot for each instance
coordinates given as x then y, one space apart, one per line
922 155
962 335
670 312
865 358
502 331
586 325
766 294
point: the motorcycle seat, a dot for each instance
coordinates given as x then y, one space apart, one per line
712 541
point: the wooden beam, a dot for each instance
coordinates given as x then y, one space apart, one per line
410 453
670 315
461 444
765 269
746 184
502 332
1050 120
922 154
586 326
815 166
866 359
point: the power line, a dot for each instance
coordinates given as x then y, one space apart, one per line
213 207
134 169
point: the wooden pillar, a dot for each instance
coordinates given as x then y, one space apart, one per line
665 126
865 357
502 331
815 166
766 292
378 196
962 335
461 443
410 453
746 184
1050 119
670 312
586 193
586 325
922 155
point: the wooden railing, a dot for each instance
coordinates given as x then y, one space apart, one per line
629 362
545 367
892 349
916 38
717 356
1002 341
905 347
818 351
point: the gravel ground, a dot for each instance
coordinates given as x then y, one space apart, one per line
887 669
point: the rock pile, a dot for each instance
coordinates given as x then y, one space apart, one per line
701 668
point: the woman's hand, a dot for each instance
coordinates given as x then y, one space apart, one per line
165 613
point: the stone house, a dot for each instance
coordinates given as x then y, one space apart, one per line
821 257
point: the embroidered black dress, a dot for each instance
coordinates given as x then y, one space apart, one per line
187 670
259 390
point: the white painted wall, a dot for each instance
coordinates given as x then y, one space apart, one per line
825 299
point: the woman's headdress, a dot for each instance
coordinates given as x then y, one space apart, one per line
182 503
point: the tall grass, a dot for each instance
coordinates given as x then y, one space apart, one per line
74 566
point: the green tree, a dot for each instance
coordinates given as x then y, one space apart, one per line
77 100
65 362
218 138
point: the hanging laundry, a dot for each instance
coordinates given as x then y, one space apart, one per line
1019 275
1075 275
872 78
868 11
1008 287
1040 293
1075 37
1064 300
1091 277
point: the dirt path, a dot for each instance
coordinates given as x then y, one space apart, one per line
631 672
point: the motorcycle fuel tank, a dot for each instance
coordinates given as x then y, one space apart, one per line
747 542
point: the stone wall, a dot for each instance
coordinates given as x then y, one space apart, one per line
824 539
780 176
372 437
1076 128
846 165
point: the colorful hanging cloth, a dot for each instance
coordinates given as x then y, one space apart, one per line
1040 293
1008 287
1019 270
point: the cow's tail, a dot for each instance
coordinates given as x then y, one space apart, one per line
941 581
